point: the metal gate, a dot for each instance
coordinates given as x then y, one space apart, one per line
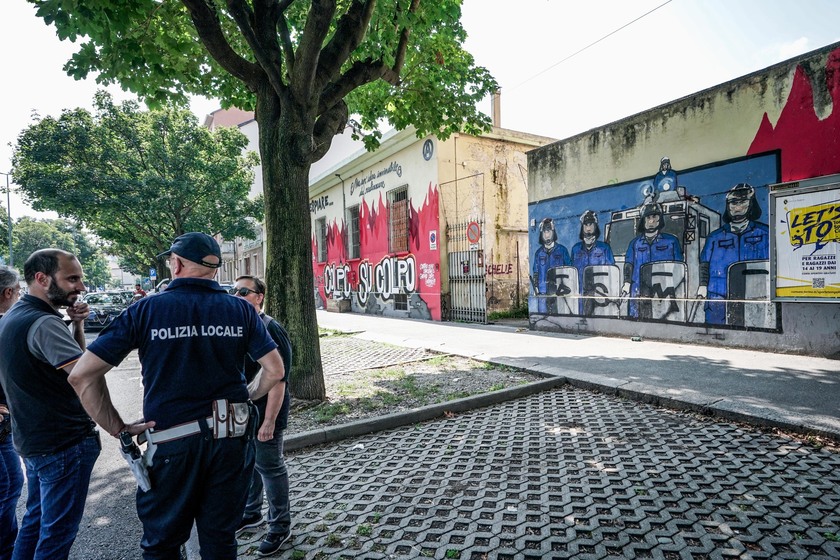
467 287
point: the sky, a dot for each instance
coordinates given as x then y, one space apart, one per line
564 66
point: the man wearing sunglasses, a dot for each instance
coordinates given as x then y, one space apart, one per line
192 341
270 472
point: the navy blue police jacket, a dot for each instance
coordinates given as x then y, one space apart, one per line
192 339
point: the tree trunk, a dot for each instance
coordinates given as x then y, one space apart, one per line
290 281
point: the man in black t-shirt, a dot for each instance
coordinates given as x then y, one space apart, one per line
50 429
270 472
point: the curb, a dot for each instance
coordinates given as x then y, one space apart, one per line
332 434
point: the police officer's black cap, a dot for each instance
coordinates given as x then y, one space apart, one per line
195 246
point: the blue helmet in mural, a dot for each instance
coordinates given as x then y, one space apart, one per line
547 224
740 193
652 209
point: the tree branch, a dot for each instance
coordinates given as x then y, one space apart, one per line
350 31
362 72
329 124
399 55
317 26
285 35
266 51
209 29
366 71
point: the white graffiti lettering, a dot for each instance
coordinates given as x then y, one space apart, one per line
365 281
395 275
337 281
428 274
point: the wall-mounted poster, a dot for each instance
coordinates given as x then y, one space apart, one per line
806 237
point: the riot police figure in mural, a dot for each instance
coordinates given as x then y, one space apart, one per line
651 245
549 256
588 252
666 178
741 238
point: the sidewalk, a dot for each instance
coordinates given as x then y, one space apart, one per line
579 474
792 392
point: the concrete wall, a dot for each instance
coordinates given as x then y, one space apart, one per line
485 179
701 271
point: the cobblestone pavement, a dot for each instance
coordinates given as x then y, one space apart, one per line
341 354
565 473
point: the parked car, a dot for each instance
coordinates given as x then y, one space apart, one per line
104 306
162 285
227 287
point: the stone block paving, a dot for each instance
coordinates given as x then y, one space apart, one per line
344 354
564 474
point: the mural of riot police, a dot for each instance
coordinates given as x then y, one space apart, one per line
588 252
741 238
666 178
550 255
651 245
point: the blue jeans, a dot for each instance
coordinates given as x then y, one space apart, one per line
271 473
57 485
196 479
11 483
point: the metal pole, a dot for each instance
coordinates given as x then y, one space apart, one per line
9 210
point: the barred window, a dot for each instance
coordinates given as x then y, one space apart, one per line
353 232
321 238
398 220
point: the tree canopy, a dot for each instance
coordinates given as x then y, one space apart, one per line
136 178
31 234
304 67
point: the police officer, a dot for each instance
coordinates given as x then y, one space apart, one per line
651 245
741 238
192 339
589 252
549 255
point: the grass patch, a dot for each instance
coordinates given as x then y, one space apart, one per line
515 313
441 360
326 412
364 530
330 332
409 385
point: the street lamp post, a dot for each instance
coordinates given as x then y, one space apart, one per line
9 210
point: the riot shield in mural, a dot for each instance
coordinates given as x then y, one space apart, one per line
750 280
601 290
662 291
562 290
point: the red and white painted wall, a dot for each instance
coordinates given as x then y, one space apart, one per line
374 245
